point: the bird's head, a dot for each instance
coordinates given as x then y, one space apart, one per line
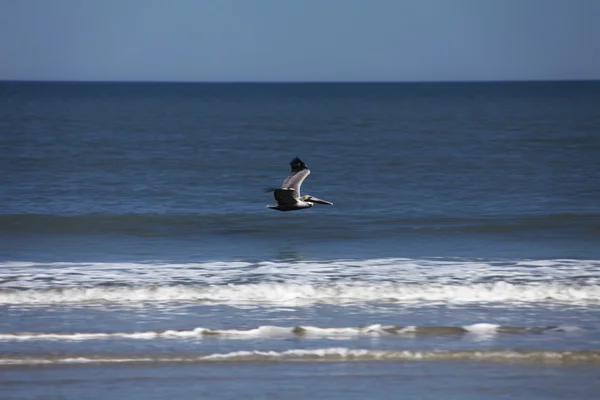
311 199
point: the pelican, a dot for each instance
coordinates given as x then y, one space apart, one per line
288 196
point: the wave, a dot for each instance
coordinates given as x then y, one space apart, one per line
303 295
269 224
484 329
336 354
36 275
303 282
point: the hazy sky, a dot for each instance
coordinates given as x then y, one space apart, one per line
299 40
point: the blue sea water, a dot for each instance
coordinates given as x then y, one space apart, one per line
461 257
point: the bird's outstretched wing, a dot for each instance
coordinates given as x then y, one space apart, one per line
294 180
286 196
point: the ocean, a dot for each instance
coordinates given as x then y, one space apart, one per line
461 257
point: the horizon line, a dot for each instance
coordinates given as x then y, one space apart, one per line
298 81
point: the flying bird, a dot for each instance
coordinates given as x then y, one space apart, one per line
288 196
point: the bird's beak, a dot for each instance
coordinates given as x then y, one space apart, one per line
315 200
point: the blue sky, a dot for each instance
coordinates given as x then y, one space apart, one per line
299 40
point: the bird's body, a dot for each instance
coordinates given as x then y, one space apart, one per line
288 196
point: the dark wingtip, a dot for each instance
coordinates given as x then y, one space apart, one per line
297 164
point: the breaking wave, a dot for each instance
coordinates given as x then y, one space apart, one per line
309 294
336 354
296 331
301 295
303 282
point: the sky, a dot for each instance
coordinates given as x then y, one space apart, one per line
299 40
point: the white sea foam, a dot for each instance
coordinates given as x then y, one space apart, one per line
334 354
268 331
16 274
346 354
482 328
284 294
259 332
303 282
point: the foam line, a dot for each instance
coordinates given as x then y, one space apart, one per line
309 294
268 331
337 354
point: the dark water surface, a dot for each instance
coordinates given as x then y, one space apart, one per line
461 257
